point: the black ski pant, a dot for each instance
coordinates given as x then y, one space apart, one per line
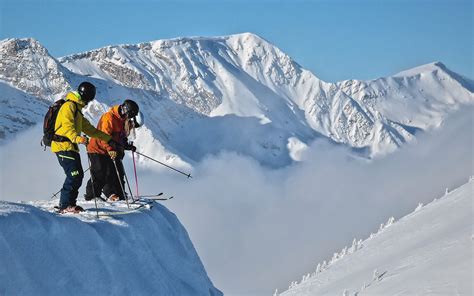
114 187
104 177
70 161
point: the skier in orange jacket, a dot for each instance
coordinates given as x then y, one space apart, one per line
117 123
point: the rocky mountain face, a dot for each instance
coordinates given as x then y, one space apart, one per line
30 79
236 93
26 65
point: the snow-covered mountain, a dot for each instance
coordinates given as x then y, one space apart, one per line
238 93
141 253
30 79
428 252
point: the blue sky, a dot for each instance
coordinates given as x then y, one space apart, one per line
335 39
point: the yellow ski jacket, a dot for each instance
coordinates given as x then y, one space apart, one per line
71 123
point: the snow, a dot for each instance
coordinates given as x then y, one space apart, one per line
203 96
296 148
427 68
140 253
428 252
414 100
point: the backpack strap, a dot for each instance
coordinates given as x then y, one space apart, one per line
59 138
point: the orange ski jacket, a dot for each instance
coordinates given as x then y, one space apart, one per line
112 124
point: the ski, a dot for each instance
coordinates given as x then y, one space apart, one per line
146 197
149 195
162 198
155 197
131 211
111 212
152 199
143 201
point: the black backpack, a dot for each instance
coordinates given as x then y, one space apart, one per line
49 122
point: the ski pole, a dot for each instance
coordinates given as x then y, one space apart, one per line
56 194
120 181
93 190
135 171
187 175
128 184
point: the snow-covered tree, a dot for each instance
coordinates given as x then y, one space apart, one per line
375 276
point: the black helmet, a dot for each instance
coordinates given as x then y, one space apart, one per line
130 108
87 91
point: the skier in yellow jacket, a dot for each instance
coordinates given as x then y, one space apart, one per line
70 123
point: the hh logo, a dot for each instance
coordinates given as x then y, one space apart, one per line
74 173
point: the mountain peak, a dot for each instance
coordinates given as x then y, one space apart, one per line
27 65
248 36
250 80
250 40
427 68
15 46
438 68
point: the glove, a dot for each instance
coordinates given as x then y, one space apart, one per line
112 154
130 147
82 140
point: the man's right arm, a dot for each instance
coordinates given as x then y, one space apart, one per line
91 131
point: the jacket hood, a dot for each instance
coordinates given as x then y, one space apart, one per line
115 111
75 97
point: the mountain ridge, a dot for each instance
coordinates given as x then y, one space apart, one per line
221 83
